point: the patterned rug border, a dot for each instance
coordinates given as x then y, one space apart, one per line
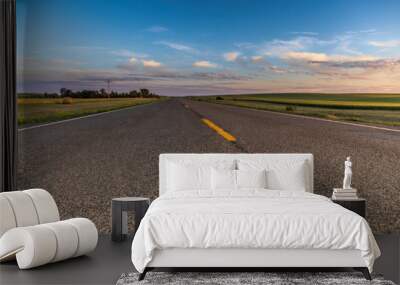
268 278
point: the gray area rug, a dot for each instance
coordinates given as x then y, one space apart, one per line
273 278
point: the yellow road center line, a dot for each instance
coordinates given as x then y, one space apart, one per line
219 130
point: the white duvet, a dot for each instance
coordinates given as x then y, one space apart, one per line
250 219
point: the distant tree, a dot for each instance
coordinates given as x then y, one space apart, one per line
144 92
133 93
64 92
103 93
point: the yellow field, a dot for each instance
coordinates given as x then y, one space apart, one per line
38 110
379 109
345 101
331 103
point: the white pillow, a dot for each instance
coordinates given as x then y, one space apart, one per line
188 177
192 174
223 179
291 179
289 175
251 178
226 179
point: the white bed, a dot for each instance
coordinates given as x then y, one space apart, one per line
250 227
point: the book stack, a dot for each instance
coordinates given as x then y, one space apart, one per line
344 194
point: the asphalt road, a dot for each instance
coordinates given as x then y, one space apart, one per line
86 162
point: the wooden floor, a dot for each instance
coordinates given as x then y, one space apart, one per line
110 260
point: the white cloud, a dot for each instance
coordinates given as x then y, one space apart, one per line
367 31
151 63
204 63
257 58
157 29
322 57
278 47
231 56
177 46
306 56
346 43
385 44
277 69
133 60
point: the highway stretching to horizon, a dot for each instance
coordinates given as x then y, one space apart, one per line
86 162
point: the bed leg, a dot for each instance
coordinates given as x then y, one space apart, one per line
364 271
143 274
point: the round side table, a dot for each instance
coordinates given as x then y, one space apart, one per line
120 208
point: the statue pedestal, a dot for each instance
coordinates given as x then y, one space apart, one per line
349 190
344 194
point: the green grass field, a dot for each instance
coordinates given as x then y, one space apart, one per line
37 110
377 109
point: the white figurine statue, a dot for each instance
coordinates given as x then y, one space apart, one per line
347 174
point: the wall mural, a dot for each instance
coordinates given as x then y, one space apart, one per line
106 86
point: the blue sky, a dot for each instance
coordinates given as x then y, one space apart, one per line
209 47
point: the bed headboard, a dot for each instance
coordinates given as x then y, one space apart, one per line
165 157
